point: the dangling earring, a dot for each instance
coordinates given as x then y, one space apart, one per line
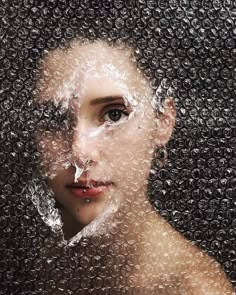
160 157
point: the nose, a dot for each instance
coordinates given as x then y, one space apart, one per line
85 147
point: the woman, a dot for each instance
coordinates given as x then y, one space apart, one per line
115 102
100 127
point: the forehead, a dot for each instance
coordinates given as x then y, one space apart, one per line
91 67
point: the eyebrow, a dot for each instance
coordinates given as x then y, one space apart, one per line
105 99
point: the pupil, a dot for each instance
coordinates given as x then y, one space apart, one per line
115 115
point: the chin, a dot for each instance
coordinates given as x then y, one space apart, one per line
84 220
86 216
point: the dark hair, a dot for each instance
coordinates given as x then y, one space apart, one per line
118 23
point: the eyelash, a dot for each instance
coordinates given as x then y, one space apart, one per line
55 119
114 107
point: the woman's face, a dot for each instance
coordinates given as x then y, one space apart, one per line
100 146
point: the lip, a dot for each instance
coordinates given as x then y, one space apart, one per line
92 189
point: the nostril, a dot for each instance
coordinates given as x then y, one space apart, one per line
89 162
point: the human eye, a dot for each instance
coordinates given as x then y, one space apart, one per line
114 113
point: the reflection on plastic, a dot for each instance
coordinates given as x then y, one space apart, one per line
103 189
99 117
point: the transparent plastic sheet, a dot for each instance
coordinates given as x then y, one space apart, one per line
154 55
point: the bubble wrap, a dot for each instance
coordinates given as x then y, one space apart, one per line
165 66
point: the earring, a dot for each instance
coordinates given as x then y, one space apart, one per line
86 200
160 156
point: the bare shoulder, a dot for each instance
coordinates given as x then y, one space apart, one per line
203 275
200 273
186 267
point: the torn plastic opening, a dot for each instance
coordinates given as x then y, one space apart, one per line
104 101
95 157
99 137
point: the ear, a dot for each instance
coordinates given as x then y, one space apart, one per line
165 122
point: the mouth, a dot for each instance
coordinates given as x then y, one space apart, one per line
88 189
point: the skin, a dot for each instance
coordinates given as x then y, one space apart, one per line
91 116
93 90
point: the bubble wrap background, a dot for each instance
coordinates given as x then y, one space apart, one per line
192 44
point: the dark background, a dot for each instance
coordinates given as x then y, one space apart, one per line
191 44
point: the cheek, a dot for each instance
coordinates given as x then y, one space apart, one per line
54 152
57 184
129 152
135 139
